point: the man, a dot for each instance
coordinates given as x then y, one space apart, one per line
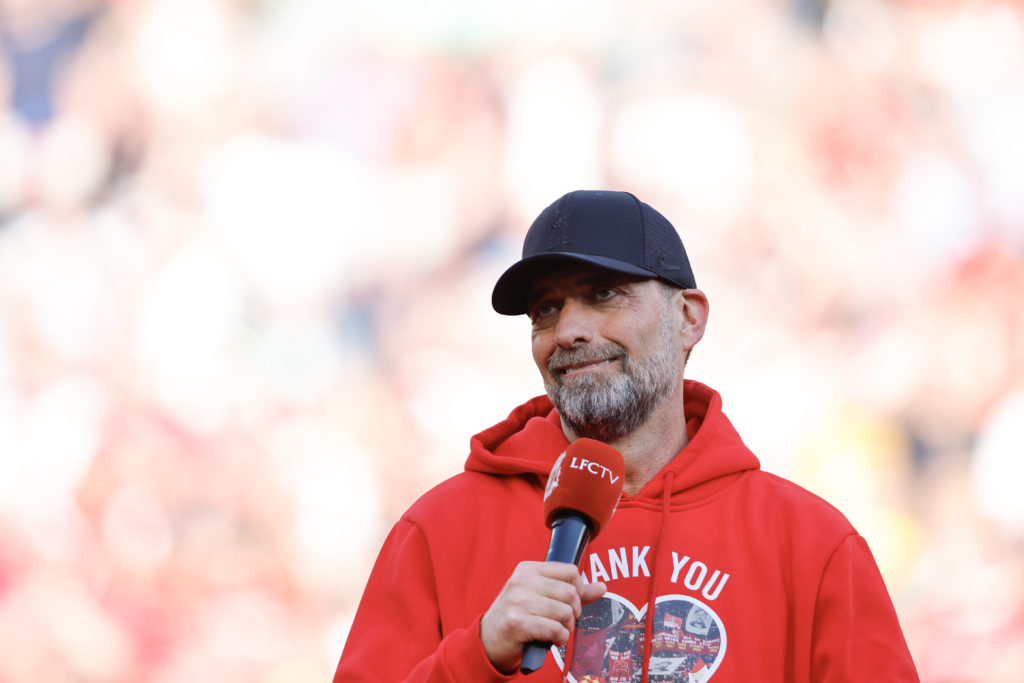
784 588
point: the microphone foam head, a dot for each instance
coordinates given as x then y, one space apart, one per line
586 479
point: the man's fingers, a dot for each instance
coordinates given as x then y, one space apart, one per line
592 592
555 580
540 602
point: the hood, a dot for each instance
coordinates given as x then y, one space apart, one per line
530 439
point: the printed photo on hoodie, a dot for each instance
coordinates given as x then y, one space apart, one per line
687 645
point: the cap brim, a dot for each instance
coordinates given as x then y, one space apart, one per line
513 287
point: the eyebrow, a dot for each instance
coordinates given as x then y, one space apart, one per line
611 279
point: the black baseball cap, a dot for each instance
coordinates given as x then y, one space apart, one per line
612 230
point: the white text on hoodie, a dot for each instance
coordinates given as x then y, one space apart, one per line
697 577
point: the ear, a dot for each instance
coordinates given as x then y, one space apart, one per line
693 305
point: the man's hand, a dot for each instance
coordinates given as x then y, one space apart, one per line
540 601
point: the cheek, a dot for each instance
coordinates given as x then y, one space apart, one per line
542 349
640 336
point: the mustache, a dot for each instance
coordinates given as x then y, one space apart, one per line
584 354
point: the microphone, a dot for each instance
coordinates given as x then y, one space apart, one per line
579 500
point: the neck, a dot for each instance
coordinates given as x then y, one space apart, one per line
647 449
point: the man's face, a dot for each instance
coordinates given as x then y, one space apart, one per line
698 621
606 348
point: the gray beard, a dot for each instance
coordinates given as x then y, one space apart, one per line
607 408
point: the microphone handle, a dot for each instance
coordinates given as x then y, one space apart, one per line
569 535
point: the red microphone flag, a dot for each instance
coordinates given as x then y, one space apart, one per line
587 479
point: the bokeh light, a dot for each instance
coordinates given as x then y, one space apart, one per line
246 253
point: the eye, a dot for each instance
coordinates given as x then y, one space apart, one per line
604 293
542 310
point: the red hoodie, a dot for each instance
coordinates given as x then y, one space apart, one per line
751 578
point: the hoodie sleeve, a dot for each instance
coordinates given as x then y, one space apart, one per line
857 636
397 632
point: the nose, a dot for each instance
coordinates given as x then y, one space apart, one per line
575 324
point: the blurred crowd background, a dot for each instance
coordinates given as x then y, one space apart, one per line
246 254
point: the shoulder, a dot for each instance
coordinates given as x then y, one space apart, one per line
476 522
797 527
467 496
800 508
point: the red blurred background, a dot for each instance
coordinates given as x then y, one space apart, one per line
246 253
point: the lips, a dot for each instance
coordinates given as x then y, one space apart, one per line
576 368
569 369
583 359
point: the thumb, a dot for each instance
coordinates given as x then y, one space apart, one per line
592 592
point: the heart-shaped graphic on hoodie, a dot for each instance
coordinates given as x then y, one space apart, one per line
688 642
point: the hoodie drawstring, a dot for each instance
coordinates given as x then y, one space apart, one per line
570 647
652 593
